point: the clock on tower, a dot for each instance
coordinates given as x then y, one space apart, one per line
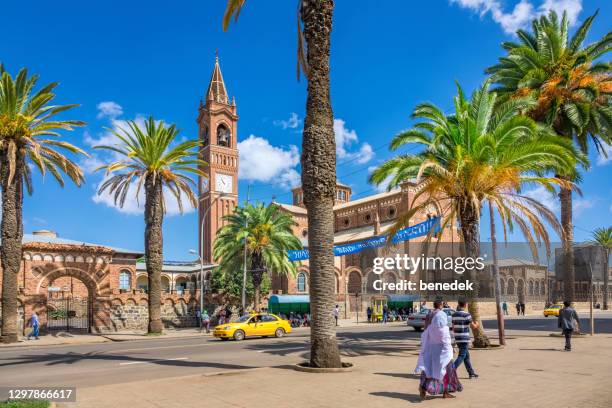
217 121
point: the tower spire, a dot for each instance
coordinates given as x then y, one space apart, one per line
216 88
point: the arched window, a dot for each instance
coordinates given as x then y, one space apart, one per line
223 136
301 282
125 280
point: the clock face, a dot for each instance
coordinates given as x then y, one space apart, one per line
223 183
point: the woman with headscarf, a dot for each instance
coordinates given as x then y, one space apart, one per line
435 363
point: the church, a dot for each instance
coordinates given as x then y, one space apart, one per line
355 220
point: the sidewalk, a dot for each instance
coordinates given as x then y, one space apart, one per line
529 372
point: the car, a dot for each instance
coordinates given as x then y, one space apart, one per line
553 310
417 320
253 325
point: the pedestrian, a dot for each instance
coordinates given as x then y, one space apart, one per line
336 313
385 314
518 309
522 308
206 321
568 322
435 362
222 316
35 324
199 319
369 313
505 308
462 323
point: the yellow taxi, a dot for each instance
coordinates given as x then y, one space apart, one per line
257 324
553 310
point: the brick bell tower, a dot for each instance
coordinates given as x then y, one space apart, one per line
218 131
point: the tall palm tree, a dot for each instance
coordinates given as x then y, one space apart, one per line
268 235
478 153
603 237
28 132
573 90
150 156
318 169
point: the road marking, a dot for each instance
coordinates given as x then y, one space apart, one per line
152 361
539 325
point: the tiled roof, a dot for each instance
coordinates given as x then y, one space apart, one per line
46 239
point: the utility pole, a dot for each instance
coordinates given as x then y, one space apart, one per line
500 316
244 269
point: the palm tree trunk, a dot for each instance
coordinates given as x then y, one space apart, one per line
257 277
470 223
10 251
567 240
319 182
495 266
154 216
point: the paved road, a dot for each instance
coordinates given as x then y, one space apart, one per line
116 362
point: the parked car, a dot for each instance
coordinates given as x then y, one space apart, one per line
417 320
553 310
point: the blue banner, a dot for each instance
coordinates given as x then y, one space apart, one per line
405 234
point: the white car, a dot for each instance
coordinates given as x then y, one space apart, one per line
417 320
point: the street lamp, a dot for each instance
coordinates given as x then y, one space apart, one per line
201 255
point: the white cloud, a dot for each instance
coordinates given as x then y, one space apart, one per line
109 109
260 161
523 12
544 197
132 206
579 205
292 123
603 160
344 139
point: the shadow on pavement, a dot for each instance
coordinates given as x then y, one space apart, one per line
398 395
401 375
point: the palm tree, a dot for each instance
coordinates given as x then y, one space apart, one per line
149 156
318 170
268 235
603 238
478 153
28 132
573 93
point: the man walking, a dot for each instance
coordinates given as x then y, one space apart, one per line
34 322
462 322
336 314
505 308
568 322
206 320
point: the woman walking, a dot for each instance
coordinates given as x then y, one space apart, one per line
435 363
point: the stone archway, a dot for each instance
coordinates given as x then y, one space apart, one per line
70 297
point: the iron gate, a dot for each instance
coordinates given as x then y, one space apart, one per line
71 315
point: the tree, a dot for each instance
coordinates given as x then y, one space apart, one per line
478 153
573 93
318 170
268 235
603 238
149 156
28 135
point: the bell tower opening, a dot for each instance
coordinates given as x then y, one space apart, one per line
218 189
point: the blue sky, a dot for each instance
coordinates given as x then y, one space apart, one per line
126 60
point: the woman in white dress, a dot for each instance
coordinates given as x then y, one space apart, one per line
435 363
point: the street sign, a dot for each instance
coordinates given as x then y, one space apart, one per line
54 289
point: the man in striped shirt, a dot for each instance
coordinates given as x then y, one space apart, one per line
462 322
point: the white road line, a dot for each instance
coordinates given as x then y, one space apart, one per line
152 361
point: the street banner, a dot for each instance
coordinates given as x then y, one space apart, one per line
404 234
